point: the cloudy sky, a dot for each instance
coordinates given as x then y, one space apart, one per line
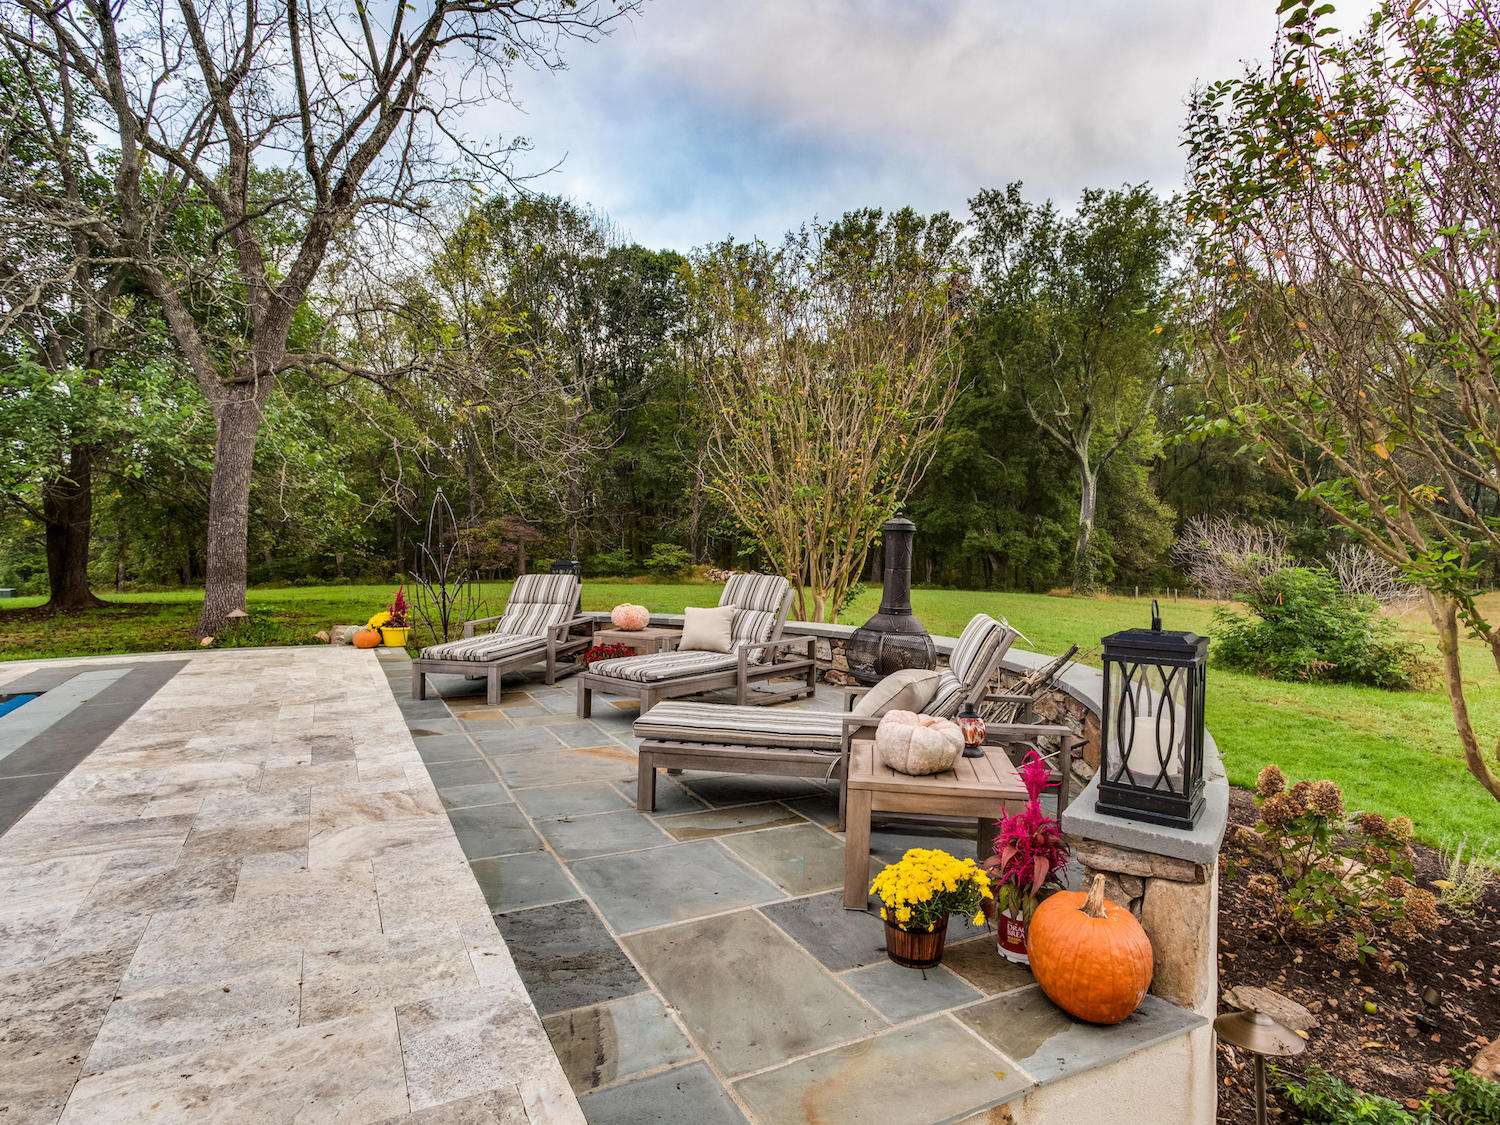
704 118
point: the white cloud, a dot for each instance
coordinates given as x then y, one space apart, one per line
698 119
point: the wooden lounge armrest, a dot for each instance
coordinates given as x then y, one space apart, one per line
770 648
469 625
558 634
998 697
852 694
1000 734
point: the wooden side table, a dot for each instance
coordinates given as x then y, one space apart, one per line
653 638
984 788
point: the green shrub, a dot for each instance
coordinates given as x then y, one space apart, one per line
1472 1101
1322 1099
667 560
1342 879
618 563
1306 628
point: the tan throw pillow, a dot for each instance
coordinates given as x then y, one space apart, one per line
707 630
910 689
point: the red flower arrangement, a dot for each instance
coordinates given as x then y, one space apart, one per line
400 609
1029 849
607 652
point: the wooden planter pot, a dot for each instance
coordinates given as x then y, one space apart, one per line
915 950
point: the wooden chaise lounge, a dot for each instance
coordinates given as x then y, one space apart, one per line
759 654
798 742
541 625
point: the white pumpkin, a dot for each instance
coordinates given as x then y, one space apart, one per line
917 744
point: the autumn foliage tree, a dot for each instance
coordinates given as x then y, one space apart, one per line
1347 233
828 365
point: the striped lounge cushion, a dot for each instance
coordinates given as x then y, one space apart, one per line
764 592
537 602
486 646
757 599
949 697
664 666
720 724
975 647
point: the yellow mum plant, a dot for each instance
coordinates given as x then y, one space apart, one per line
926 885
378 620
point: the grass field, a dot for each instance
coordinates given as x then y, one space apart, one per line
1392 752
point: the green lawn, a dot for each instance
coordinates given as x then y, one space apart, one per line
1392 752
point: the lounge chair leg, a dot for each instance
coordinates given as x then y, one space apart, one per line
645 783
550 676
585 700
418 682
492 687
740 696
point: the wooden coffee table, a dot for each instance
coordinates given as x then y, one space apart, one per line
984 788
653 638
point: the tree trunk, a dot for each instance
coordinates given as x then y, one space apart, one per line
1444 615
1083 559
237 427
68 508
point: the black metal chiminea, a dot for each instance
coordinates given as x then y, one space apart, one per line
893 639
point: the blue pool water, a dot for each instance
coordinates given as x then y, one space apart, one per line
9 703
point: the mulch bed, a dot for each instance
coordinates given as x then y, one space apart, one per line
1402 1047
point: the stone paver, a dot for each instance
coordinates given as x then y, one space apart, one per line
750 995
514 882
246 902
901 994
935 1065
1048 1044
670 884
566 957
605 1043
800 860
689 1095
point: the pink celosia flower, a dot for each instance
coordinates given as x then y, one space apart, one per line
1029 847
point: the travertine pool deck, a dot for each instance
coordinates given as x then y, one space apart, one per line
696 964
245 902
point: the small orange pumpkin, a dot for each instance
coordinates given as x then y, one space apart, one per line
367 638
1090 955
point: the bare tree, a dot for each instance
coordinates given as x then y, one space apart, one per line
1346 214
1226 558
828 367
1363 573
248 138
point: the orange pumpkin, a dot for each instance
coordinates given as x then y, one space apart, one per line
1089 954
367 638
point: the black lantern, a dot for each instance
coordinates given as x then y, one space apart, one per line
1151 732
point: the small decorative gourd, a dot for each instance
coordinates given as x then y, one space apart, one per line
1090 955
630 617
367 638
917 744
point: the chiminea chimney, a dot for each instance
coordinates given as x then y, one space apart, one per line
893 639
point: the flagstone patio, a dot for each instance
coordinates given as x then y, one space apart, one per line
696 964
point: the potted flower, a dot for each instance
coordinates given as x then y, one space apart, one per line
606 652
1028 861
917 893
394 624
